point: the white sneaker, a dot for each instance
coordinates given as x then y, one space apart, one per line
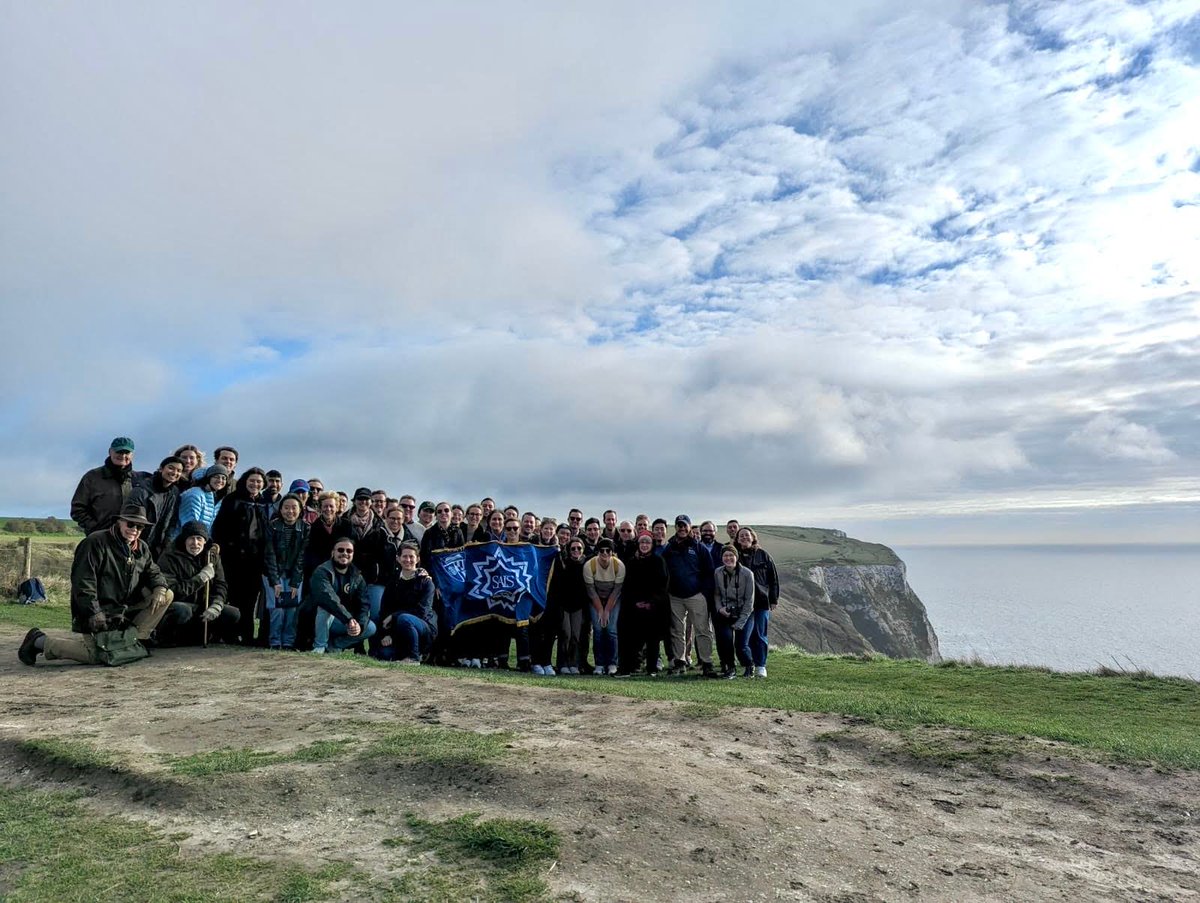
548 670
572 670
760 671
476 663
538 670
612 670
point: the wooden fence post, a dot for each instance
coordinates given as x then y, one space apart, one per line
27 567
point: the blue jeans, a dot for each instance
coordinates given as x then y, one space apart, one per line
760 620
411 636
730 641
331 633
283 620
604 639
375 597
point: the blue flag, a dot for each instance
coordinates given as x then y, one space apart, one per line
493 581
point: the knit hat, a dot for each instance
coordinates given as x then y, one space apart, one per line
647 534
604 545
216 470
193 528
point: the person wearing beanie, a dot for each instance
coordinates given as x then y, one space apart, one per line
645 610
283 571
190 565
159 495
104 490
201 502
733 604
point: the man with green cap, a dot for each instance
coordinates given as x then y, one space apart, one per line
103 490
113 580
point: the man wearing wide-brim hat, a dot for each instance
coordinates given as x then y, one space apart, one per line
114 580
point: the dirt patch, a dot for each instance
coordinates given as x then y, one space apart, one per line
653 800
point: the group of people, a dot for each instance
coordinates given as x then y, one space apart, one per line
194 552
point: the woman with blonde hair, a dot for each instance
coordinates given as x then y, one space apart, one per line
193 462
766 593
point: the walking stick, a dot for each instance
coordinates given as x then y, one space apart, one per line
213 547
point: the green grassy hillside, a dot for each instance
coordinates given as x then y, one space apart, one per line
797 546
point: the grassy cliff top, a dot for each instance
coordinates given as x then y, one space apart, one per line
815 545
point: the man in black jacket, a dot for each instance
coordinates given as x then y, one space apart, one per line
104 490
113 580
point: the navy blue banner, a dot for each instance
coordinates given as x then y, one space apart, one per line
493 581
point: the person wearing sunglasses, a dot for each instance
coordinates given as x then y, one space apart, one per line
338 590
441 534
114 581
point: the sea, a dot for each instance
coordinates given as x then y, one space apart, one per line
1071 608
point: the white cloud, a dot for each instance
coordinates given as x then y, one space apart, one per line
859 256
1109 436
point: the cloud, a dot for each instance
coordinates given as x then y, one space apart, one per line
1109 436
717 257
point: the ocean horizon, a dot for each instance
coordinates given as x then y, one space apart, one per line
1069 606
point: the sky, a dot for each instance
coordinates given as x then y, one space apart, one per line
924 271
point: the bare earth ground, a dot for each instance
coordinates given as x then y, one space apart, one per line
654 800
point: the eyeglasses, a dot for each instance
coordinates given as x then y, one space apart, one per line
343 551
627 529
138 527
443 510
408 507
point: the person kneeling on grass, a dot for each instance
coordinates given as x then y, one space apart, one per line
114 580
337 588
408 621
195 575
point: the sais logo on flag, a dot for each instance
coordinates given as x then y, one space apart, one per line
492 580
501 581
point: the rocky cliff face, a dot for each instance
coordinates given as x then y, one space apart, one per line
853 608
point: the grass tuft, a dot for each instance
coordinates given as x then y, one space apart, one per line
228 760
70 753
52 848
440 746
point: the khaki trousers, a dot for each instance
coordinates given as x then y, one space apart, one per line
695 607
81 647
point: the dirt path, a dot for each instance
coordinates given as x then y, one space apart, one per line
653 802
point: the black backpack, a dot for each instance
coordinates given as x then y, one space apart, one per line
30 591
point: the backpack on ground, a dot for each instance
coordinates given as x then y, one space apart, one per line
31 590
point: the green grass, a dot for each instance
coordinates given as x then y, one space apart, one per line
53 614
813 545
53 849
500 860
71 753
228 760
1127 718
440 746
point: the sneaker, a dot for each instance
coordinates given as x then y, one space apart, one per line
538 670
475 663
707 670
318 650
409 661
654 673
760 671
678 668
28 651
749 672
728 674
612 670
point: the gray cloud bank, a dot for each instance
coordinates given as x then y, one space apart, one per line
885 269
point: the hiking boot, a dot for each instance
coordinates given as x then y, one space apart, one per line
28 651
707 670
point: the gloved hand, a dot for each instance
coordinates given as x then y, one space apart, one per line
207 572
98 623
210 614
